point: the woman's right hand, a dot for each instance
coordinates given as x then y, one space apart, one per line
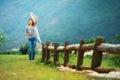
28 34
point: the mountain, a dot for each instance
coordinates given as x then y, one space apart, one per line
60 20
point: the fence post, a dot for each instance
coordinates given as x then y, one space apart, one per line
80 55
48 56
43 53
66 54
56 53
97 55
47 52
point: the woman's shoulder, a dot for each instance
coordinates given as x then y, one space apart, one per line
35 26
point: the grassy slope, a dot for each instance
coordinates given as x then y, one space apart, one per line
106 63
18 67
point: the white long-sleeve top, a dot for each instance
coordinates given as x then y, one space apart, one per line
34 30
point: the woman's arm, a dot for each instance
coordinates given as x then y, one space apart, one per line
34 17
27 32
38 36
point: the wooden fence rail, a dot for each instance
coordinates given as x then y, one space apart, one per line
98 48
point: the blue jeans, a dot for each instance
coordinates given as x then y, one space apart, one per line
31 47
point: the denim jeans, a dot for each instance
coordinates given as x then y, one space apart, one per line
31 47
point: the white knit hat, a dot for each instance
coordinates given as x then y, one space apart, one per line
34 17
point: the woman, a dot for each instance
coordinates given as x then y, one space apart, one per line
33 35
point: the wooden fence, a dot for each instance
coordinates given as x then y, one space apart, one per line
98 48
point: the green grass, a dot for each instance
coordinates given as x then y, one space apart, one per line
106 61
18 67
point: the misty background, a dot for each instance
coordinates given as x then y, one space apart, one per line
60 20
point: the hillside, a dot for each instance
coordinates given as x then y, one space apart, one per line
61 20
18 67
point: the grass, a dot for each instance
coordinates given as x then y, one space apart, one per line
106 62
18 67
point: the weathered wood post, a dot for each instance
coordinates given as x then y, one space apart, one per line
43 52
56 53
47 52
80 55
97 55
66 54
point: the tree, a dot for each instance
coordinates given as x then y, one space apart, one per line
3 37
117 36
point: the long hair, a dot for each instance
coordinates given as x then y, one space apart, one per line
32 21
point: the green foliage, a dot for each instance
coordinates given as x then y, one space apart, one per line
108 60
90 40
37 51
15 52
24 48
110 41
3 38
115 59
93 39
117 36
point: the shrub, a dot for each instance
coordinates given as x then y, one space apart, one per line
3 37
117 36
90 40
37 51
9 52
24 48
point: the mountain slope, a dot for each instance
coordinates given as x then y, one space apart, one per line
59 21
